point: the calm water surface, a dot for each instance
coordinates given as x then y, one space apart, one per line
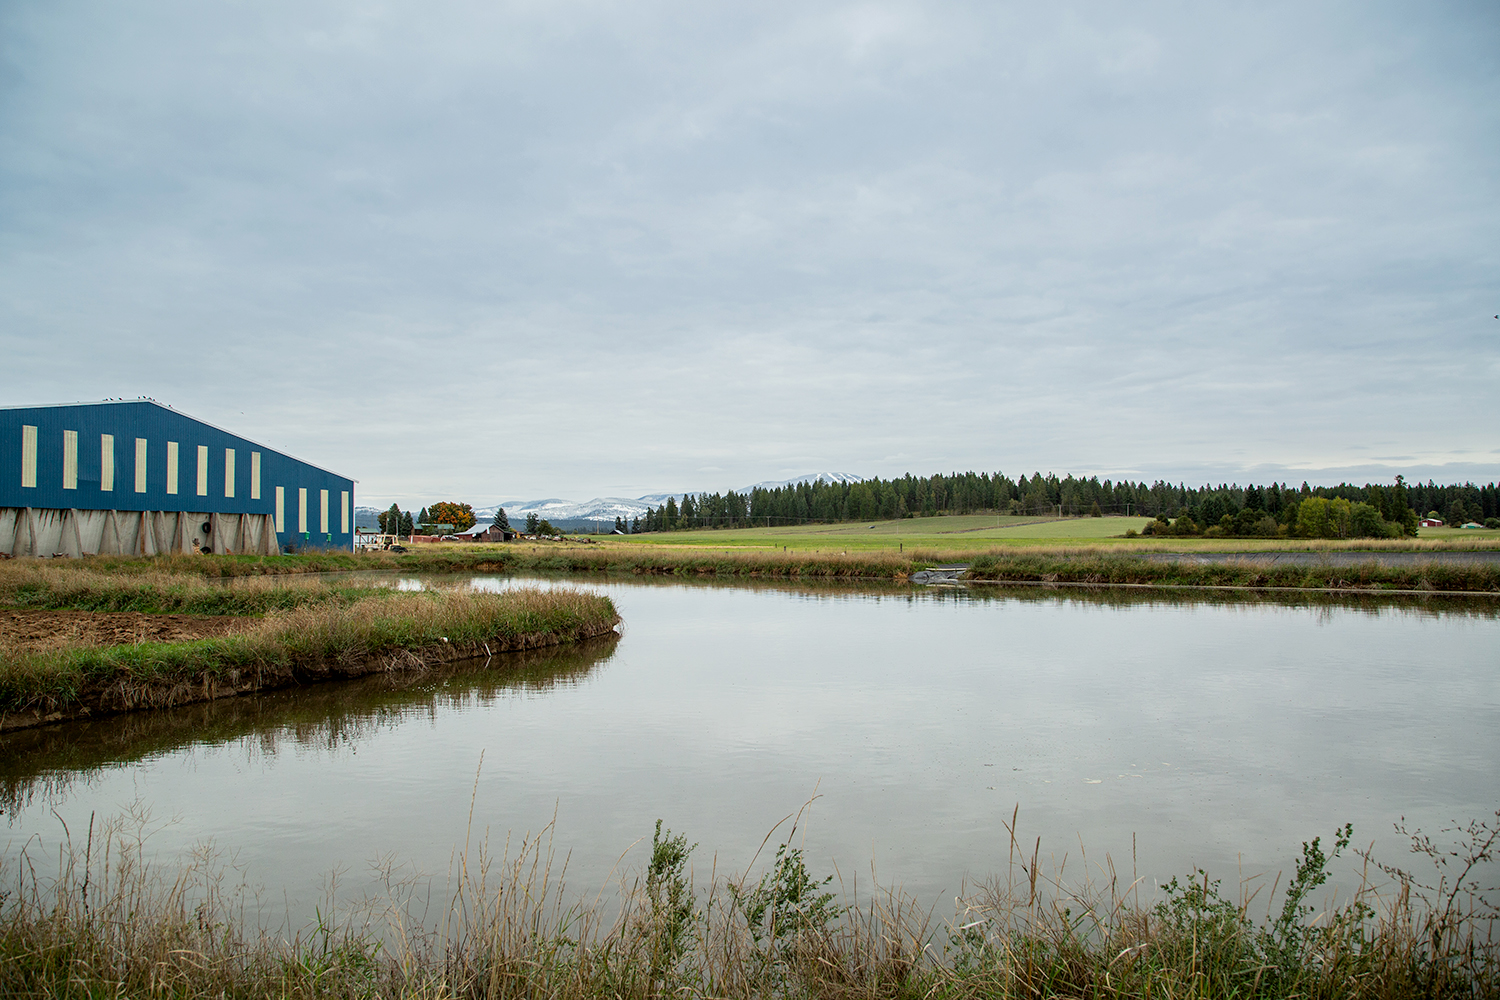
1206 734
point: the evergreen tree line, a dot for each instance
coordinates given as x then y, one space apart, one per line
971 493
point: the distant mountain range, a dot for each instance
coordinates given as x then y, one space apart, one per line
574 515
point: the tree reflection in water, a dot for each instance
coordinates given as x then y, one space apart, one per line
47 763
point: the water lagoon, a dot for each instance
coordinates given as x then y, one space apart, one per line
1167 733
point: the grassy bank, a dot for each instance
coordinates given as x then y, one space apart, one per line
256 585
160 586
1055 565
1113 569
120 581
112 924
314 641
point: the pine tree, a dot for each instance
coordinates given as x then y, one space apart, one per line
390 521
532 521
501 521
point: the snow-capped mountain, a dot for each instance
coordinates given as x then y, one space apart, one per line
554 509
608 508
657 499
600 509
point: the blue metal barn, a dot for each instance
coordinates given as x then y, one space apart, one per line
140 478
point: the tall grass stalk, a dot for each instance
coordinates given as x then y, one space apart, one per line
152 589
112 923
162 583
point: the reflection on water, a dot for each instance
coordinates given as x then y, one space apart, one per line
41 766
1373 604
1172 728
1370 602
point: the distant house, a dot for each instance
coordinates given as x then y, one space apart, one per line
486 533
1431 522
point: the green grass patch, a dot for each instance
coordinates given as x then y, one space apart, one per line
967 532
309 641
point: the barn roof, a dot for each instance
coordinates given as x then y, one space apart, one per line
177 412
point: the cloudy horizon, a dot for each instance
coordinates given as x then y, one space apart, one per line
580 249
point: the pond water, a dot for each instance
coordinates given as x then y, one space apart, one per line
1177 733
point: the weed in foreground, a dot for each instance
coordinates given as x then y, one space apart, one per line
111 922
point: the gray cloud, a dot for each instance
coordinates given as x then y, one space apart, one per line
587 248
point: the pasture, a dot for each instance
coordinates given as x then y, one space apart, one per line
956 532
968 533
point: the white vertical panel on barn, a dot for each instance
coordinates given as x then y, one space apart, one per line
70 460
28 456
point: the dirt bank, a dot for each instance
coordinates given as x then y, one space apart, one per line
37 630
124 695
65 664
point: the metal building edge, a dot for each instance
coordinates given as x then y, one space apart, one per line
64 467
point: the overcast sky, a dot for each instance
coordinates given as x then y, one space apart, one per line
524 249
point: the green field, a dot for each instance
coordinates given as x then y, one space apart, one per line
963 531
975 532
1459 534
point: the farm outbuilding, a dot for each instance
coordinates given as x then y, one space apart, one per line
139 478
486 533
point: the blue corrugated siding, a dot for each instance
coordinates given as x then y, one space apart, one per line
158 425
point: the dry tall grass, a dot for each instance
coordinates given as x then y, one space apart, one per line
1138 562
313 641
110 923
153 589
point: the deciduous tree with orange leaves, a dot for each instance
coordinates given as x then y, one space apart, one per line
460 515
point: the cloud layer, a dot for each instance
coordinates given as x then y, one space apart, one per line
584 248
